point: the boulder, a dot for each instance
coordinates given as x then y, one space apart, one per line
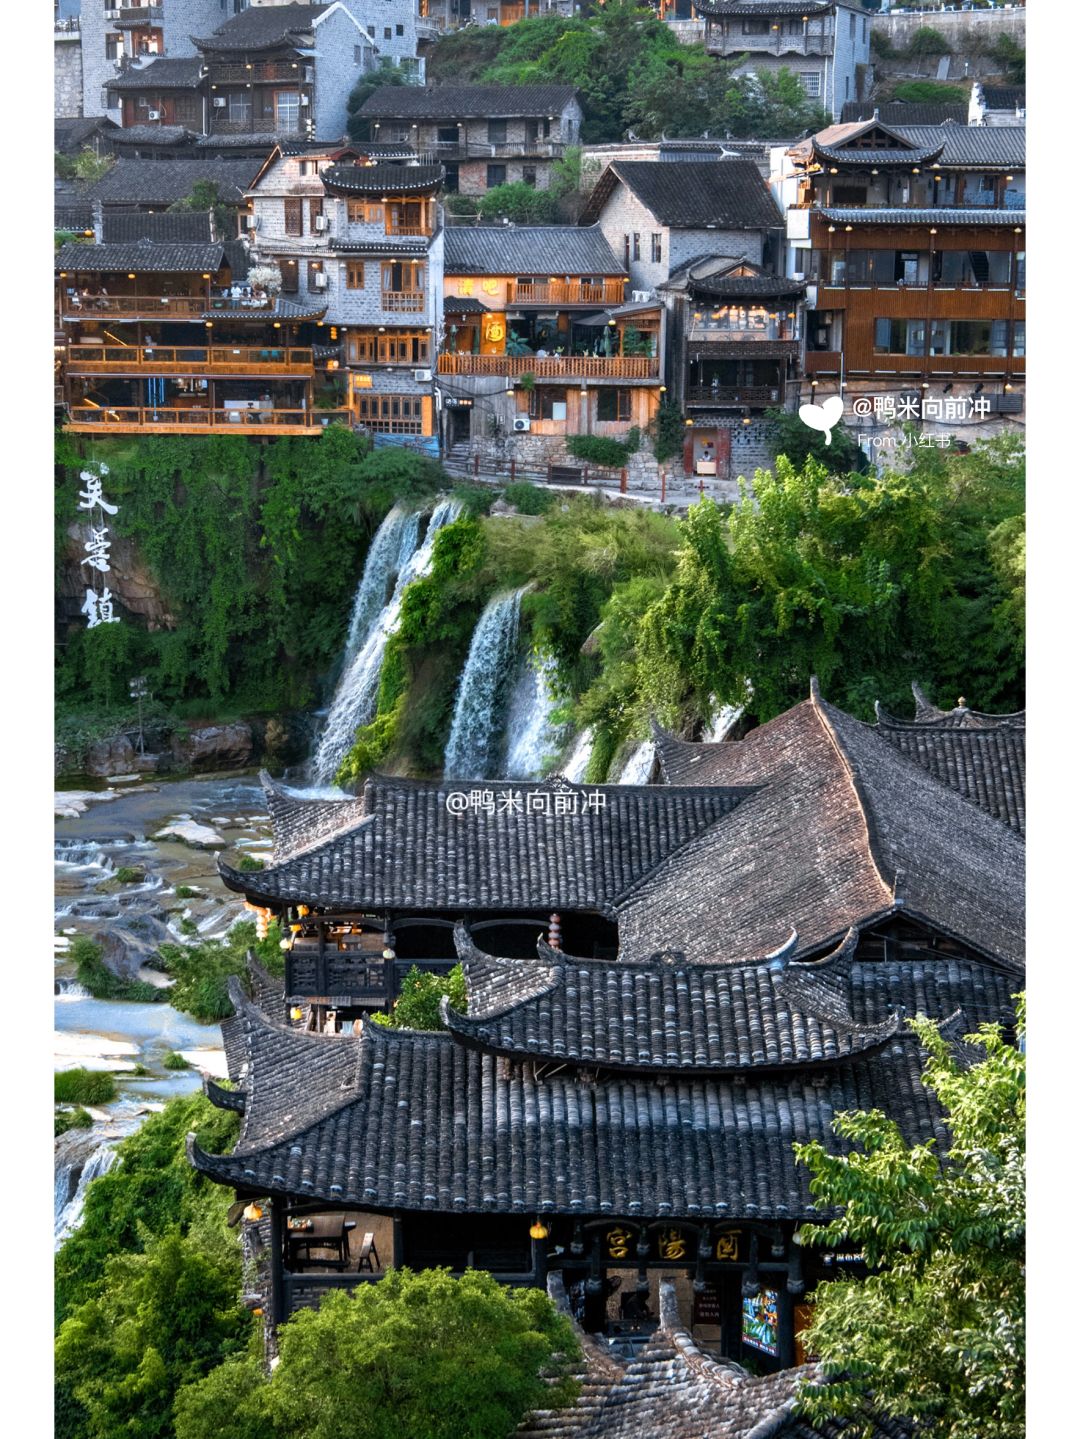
115 755
197 836
214 747
286 739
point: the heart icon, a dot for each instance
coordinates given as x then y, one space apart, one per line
823 417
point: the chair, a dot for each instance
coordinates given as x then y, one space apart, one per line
369 1255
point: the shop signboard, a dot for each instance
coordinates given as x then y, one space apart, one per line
761 1321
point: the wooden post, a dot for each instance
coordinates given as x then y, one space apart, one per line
475 466
663 486
320 963
622 480
511 470
277 1267
585 475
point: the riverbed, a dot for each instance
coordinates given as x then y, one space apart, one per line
118 830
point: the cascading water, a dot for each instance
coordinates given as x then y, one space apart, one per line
638 767
723 721
577 762
391 550
473 747
354 701
532 739
67 1212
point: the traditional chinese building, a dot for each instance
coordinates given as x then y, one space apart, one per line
911 241
666 987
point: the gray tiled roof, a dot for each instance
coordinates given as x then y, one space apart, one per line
907 215
881 159
719 8
160 182
71 133
986 766
664 1015
162 135
162 73
903 112
141 256
461 102
573 861
529 250
842 828
186 227
382 179
263 27
1004 97
974 146
725 194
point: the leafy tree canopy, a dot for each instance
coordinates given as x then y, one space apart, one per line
385 73
630 71
206 196
417 1006
425 1355
937 1333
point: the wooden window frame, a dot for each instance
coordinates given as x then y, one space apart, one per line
294 216
354 274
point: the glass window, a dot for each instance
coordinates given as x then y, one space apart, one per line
999 337
891 337
496 175
971 337
287 110
637 247
657 249
1019 337
240 106
290 277
810 80
1021 272
547 404
294 217
940 338
354 275
612 404
496 132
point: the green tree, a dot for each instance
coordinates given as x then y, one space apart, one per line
936 1332
425 1355
206 196
928 41
929 92
519 202
417 1007
162 1318
798 442
385 73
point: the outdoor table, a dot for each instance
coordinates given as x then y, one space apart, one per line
327 1232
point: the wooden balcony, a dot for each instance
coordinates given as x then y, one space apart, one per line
735 335
169 420
134 307
823 362
189 360
563 292
224 72
554 367
404 301
753 397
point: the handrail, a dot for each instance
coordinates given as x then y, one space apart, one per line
555 367
577 292
168 417
188 359
153 306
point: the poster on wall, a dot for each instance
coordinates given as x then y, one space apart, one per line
761 1321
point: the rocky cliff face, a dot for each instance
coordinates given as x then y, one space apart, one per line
134 589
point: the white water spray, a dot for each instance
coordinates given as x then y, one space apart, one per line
577 762
472 749
68 1213
392 555
638 767
532 739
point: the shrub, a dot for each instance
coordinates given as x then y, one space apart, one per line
519 203
126 875
666 431
462 204
175 1061
250 864
417 1007
528 499
83 1086
202 971
927 41
185 891
930 92
65 1119
598 450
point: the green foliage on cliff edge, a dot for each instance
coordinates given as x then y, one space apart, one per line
256 549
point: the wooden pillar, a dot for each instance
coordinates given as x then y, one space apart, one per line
277 1267
397 1251
320 961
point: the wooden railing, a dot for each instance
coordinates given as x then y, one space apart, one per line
555 367
399 301
189 360
754 396
167 419
393 228
561 292
732 334
224 72
151 307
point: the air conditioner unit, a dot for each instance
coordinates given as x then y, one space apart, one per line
322 222
253 222
320 279
305 99
220 101
153 114
522 423
422 377
309 74
799 275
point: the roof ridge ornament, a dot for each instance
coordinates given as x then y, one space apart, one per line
778 959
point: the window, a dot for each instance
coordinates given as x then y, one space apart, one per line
851 22
810 80
865 29
363 212
891 337
657 252
354 274
973 337
391 414
447 134
1021 271
287 110
1019 333
239 107
358 54
999 337
528 175
309 167
314 267
496 132
755 27
399 29
626 250
387 33
294 217
547 404
451 182
290 277
143 103
612 404
314 211
360 347
637 247
847 87
496 175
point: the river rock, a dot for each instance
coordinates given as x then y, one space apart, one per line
286 739
214 747
115 755
70 804
197 836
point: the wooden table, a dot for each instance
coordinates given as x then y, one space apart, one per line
327 1232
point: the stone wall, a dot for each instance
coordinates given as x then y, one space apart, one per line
67 76
960 28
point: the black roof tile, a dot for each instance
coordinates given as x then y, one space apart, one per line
382 179
723 194
529 250
461 102
162 73
902 112
142 256
186 227
263 27
162 181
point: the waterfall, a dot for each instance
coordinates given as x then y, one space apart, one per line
722 722
531 737
638 767
577 762
472 749
354 702
65 988
67 1213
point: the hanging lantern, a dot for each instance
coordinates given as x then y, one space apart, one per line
554 937
253 1213
539 1230
262 923
296 1012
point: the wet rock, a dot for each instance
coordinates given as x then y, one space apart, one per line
115 755
214 747
70 804
197 836
286 739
